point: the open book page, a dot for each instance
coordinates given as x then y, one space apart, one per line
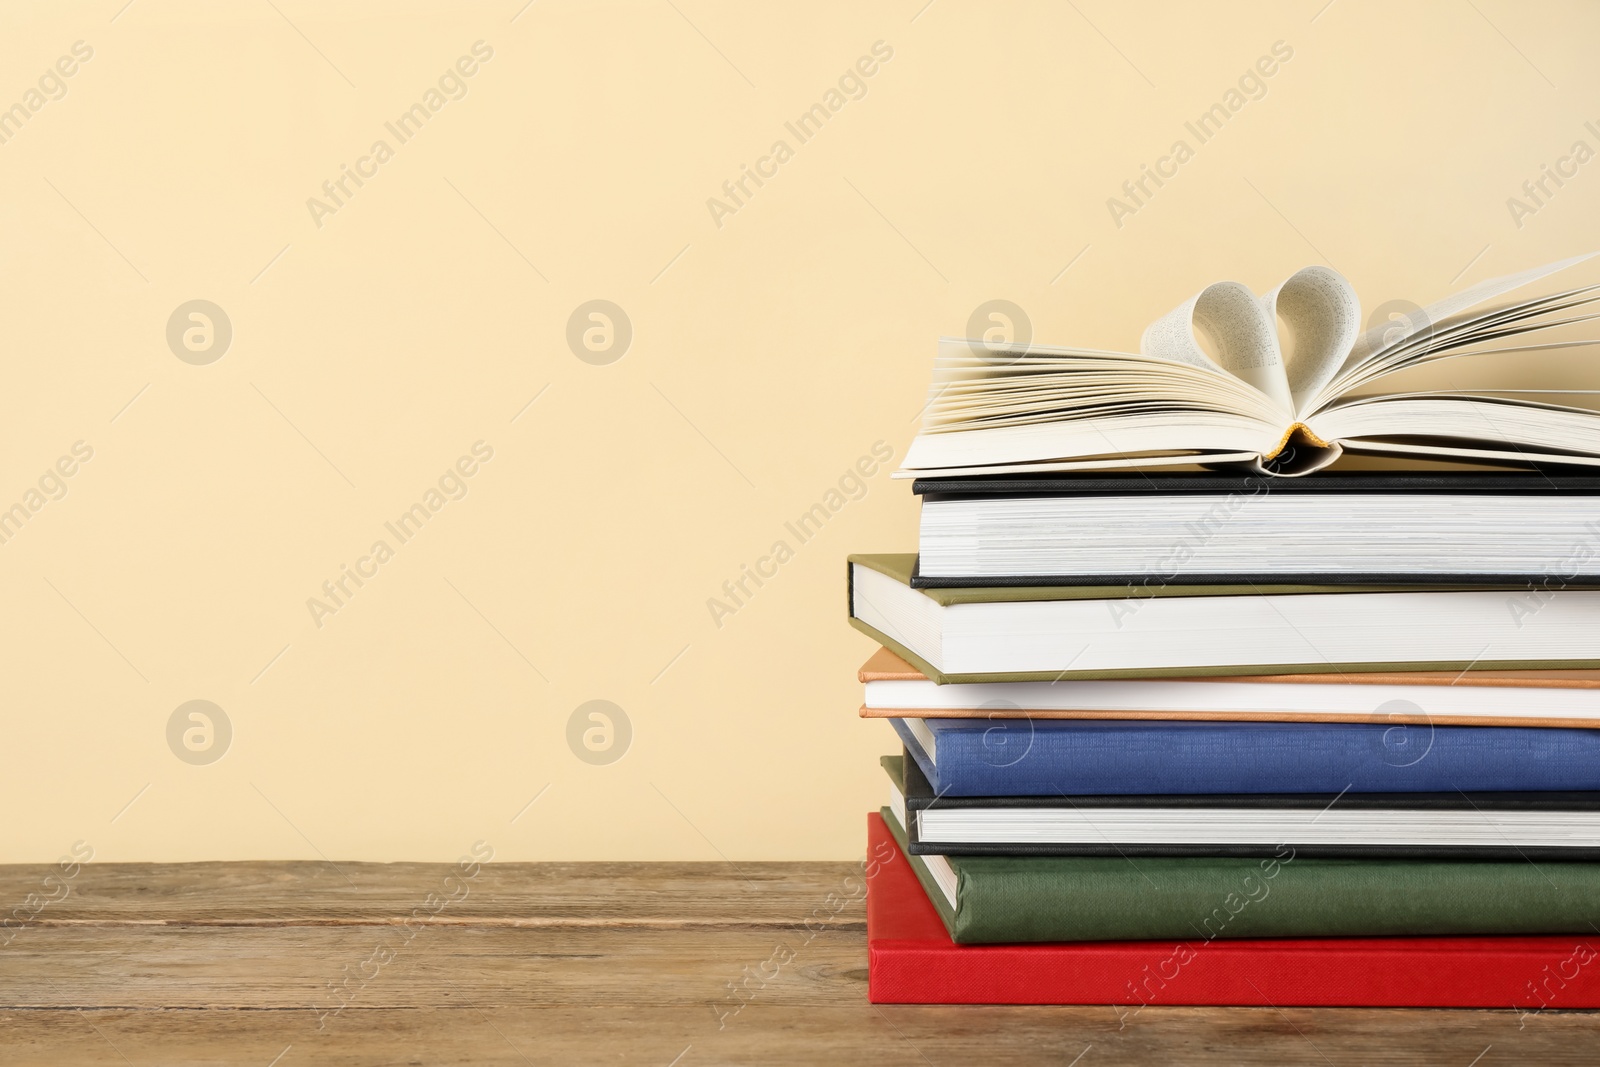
1534 430
1215 378
1322 316
1541 324
1117 461
1243 335
1509 456
1010 404
1316 307
1439 327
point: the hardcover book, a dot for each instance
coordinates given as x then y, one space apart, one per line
912 960
1001 899
1033 633
896 689
1021 757
1213 382
1451 528
1471 826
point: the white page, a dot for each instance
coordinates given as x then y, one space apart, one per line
1322 313
1385 335
1245 334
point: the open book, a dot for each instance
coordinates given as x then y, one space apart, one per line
1214 382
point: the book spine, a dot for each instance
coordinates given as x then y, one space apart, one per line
1018 758
1524 974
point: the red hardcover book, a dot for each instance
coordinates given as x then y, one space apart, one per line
911 960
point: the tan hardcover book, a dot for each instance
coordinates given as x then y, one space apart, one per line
895 688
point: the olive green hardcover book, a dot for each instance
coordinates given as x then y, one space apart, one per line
998 899
1155 629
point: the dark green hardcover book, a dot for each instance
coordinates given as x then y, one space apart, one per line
999 899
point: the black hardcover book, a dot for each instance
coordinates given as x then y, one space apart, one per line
1499 826
1491 528
1174 483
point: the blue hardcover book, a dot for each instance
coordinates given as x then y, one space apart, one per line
1022 757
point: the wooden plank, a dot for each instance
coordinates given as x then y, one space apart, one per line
531 894
795 1035
325 966
584 963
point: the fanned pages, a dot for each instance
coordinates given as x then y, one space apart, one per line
1273 382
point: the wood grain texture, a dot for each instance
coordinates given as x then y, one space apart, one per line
530 894
891 1036
587 963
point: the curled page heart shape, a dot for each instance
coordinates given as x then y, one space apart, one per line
1320 316
1243 336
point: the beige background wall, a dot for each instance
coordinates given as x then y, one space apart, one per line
774 342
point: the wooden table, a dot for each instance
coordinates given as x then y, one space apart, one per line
515 964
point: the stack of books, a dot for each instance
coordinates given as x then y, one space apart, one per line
1257 733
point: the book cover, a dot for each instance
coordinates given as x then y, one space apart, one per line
1435 693
912 960
1258 825
902 566
899 567
1002 899
1020 757
1553 482
1366 528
